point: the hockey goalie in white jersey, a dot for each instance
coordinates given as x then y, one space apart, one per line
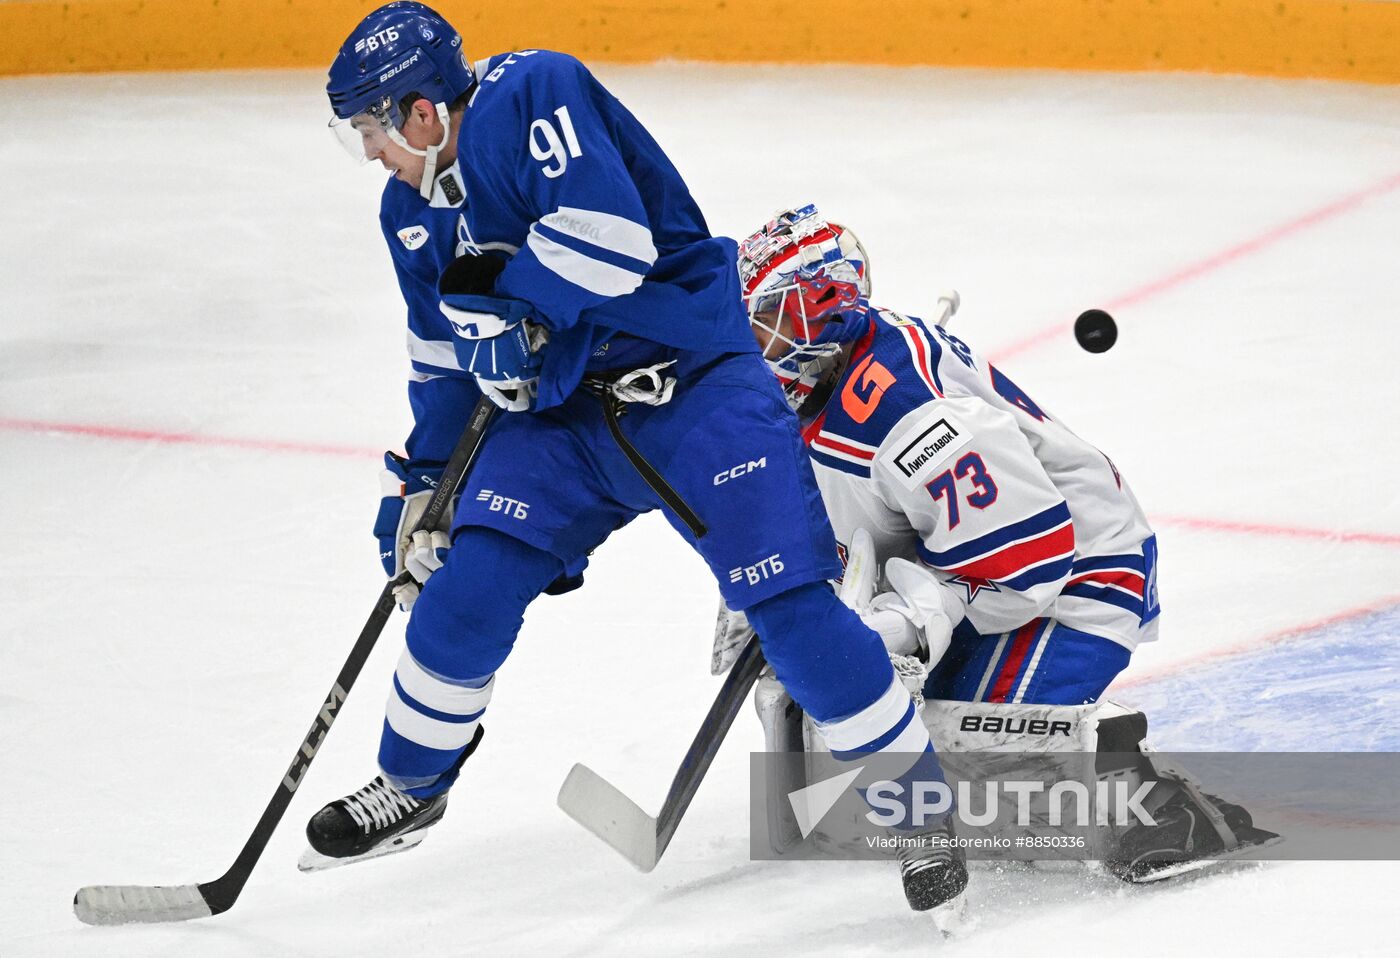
1013 561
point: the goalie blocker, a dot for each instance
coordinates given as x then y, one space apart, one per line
1193 828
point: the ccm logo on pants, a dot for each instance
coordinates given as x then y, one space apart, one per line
743 469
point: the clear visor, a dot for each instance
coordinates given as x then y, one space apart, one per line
365 135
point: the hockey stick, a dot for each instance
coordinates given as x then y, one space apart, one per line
948 303
604 810
600 807
121 904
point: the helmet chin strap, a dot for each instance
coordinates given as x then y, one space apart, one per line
430 167
430 170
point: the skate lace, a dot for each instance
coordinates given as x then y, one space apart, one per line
379 804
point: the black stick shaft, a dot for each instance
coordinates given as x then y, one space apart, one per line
222 892
708 739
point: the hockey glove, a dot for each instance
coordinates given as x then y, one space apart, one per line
917 598
497 342
406 488
909 619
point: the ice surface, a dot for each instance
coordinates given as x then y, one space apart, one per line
193 255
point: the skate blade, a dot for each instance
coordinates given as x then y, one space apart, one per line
314 861
1201 864
953 919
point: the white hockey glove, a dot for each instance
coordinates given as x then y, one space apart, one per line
897 631
916 596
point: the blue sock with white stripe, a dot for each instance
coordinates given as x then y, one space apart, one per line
890 726
463 626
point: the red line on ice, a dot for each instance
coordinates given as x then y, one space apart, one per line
1213 262
187 438
1269 529
125 434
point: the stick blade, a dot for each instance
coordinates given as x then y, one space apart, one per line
126 904
598 806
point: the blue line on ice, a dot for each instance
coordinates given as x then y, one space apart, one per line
1334 689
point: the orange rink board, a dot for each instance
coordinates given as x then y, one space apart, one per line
1358 41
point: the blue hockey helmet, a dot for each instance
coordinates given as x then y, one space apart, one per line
400 49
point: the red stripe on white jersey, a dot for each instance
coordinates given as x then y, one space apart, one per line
921 352
1126 580
1019 556
845 448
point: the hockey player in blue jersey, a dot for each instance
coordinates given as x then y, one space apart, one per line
551 257
1013 561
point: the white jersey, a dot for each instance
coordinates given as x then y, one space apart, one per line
944 460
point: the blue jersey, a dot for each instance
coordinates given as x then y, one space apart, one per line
605 240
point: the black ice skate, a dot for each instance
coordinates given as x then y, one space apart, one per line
1193 831
377 820
933 872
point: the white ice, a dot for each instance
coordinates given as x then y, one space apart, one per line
193 254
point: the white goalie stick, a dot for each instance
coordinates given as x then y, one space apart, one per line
948 303
600 807
124 904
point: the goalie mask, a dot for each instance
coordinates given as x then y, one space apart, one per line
805 281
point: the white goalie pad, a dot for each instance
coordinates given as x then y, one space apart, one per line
1108 735
1005 727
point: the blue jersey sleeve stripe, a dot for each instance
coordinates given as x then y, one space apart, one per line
585 272
849 468
593 251
608 231
1095 563
1051 518
1111 596
1039 575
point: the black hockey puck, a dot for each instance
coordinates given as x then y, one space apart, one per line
1096 331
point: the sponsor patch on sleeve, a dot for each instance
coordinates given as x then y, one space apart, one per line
413 236
916 453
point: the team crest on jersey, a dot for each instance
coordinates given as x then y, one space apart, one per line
413 236
915 454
